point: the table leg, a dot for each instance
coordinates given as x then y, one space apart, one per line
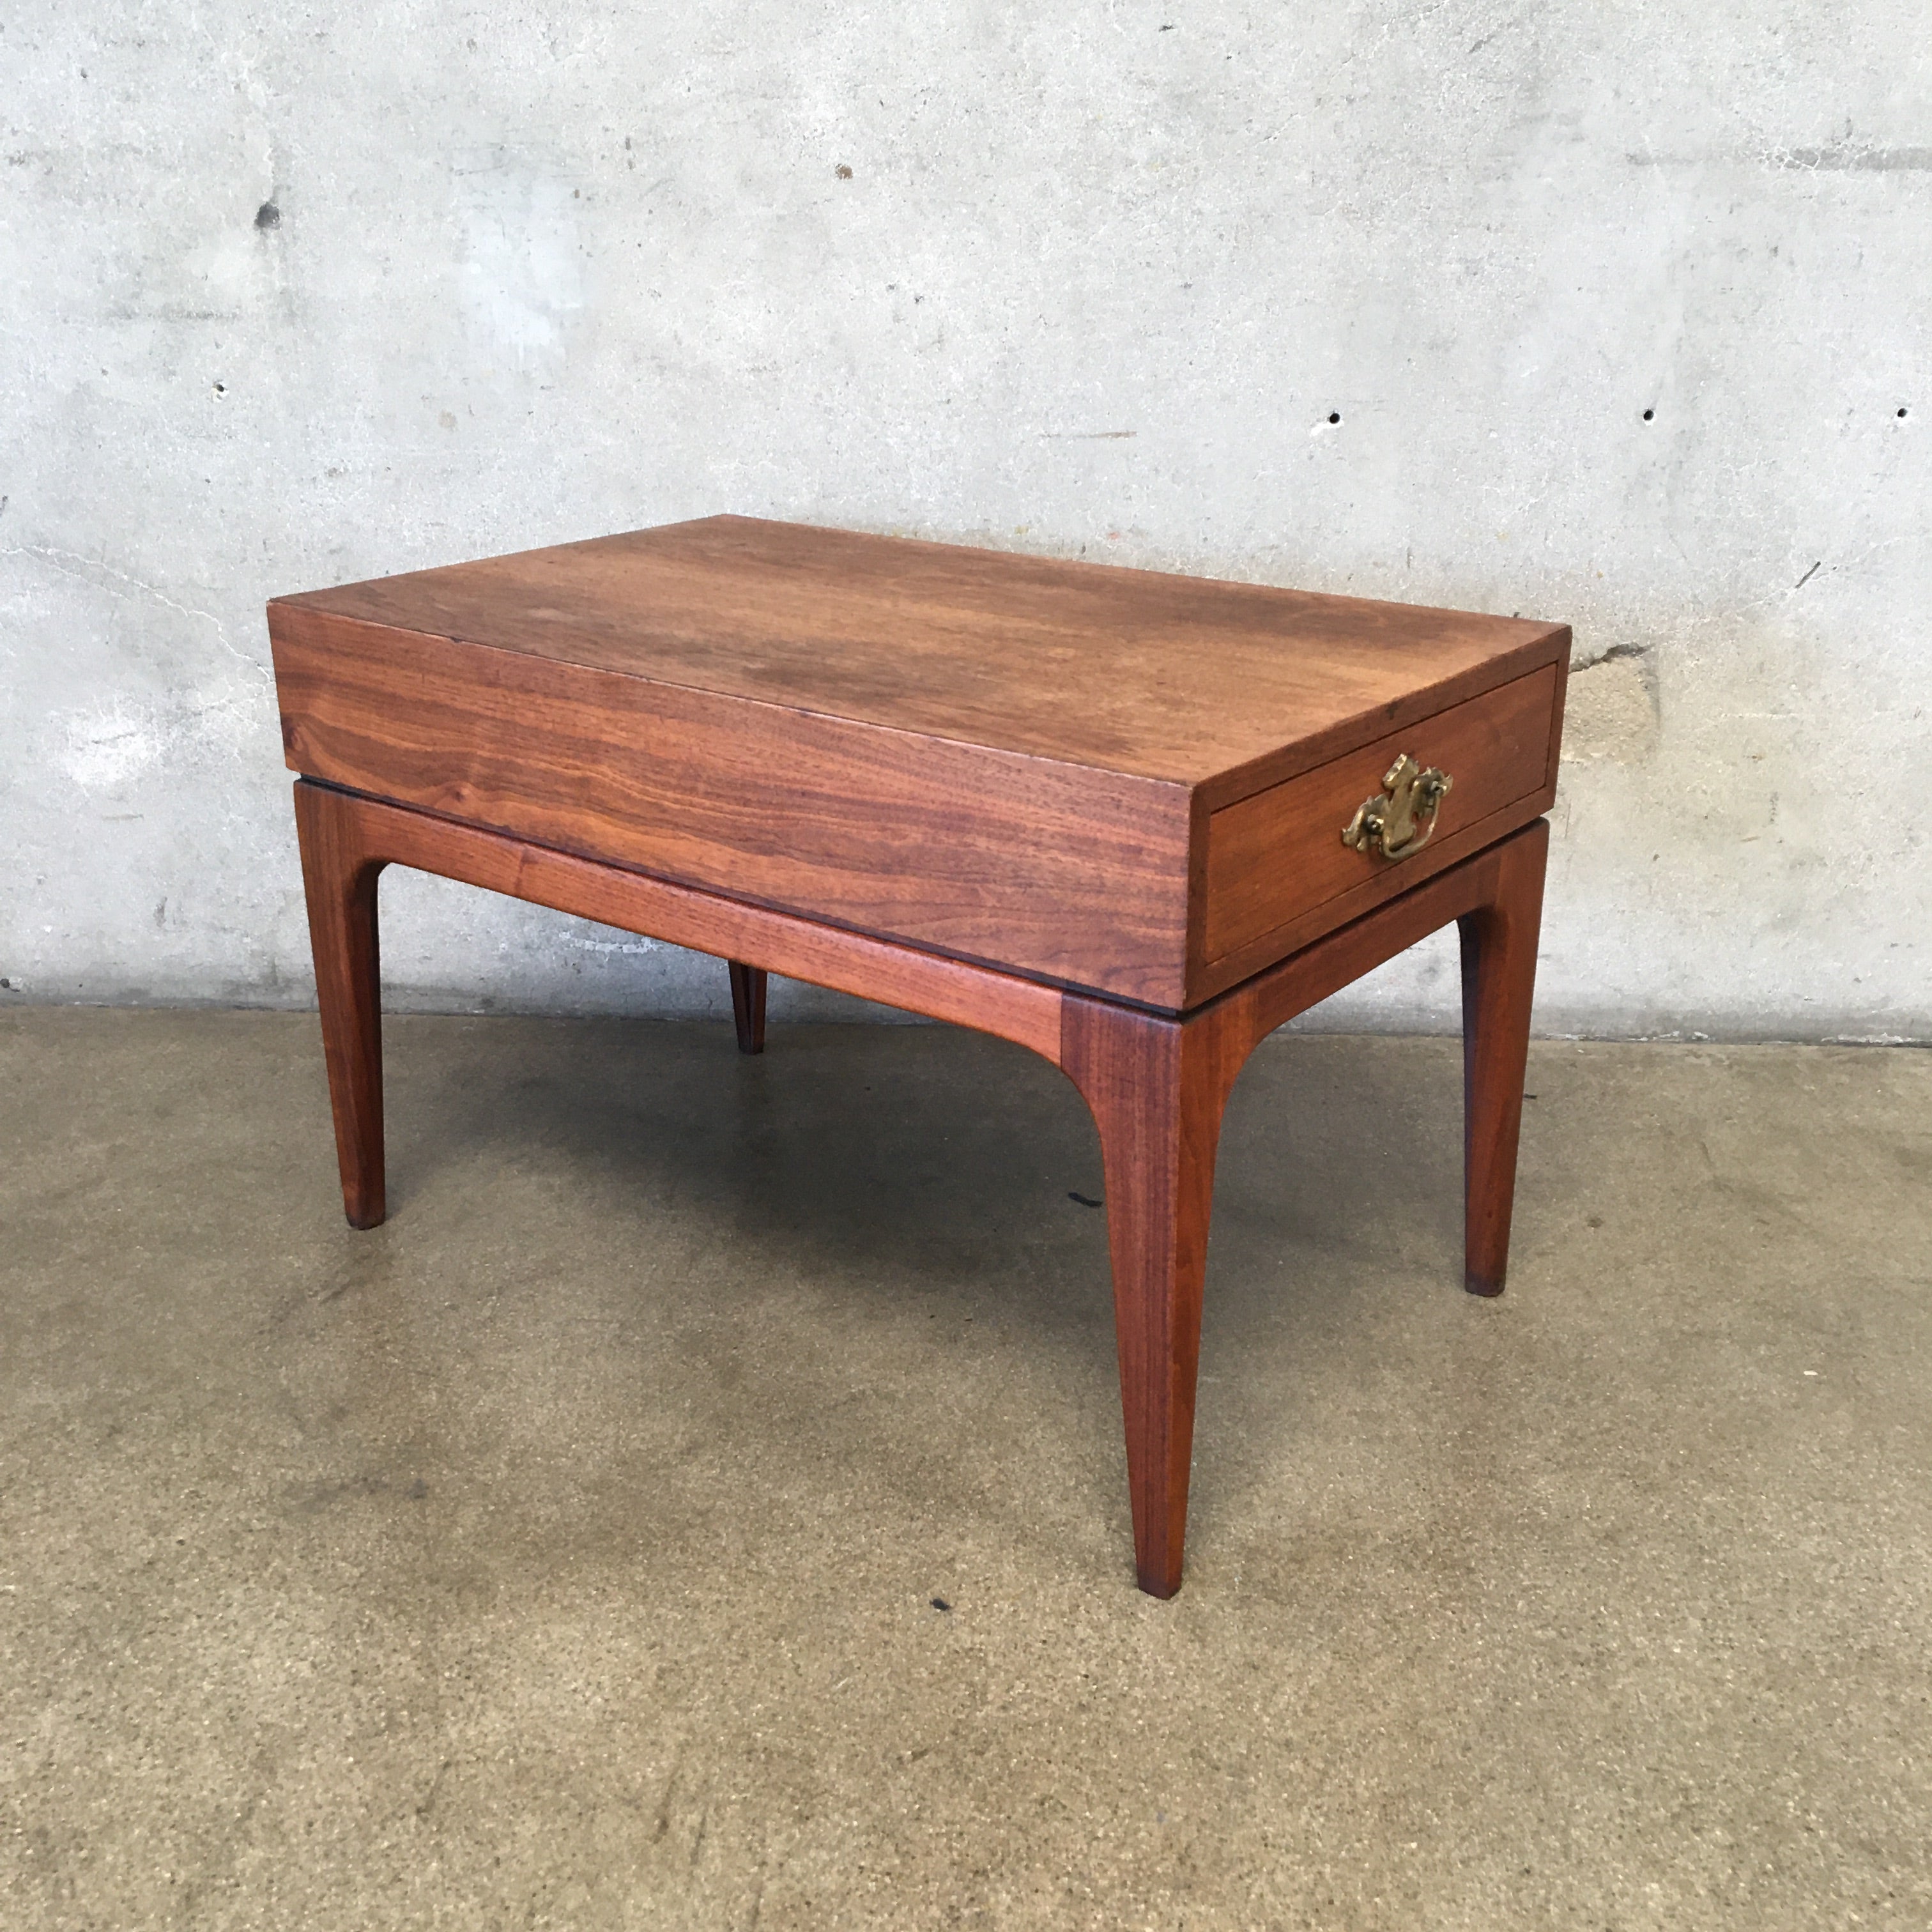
1157 1095
748 1005
1499 940
339 878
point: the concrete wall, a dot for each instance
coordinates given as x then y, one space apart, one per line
1623 310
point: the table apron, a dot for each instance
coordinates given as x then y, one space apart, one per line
965 993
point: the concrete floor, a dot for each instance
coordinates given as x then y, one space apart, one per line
565 1553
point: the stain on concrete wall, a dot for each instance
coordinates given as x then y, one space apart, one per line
1583 312
521 269
1611 708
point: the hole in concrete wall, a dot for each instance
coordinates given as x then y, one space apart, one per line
843 171
1335 415
1901 413
1648 415
268 216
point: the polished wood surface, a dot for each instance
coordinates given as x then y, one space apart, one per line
1067 873
1156 1084
1498 939
1036 765
1095 812
1277 854
1157 1105
1186 680
1158 1087
747 1006
339 876
367 833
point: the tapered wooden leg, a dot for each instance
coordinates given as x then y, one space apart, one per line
1499 942
339 881
747 1006
1156 1097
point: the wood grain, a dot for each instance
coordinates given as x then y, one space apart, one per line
1083 775
747 1006
1072 875
1498 946
1092 811
1338 959
1182 679
1158 1110
1278 856
339 875
1016 1009
1158 1088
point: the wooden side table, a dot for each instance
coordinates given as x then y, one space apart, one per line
1133 821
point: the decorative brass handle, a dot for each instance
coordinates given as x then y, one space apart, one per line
1400 818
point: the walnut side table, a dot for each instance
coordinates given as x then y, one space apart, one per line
1131 820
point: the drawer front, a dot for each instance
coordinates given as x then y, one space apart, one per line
1276 857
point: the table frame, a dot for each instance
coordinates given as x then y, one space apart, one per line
1156 1082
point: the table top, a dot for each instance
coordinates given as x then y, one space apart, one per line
1158 677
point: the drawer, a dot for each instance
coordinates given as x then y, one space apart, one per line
1275 856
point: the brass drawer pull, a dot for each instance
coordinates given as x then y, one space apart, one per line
1400 818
